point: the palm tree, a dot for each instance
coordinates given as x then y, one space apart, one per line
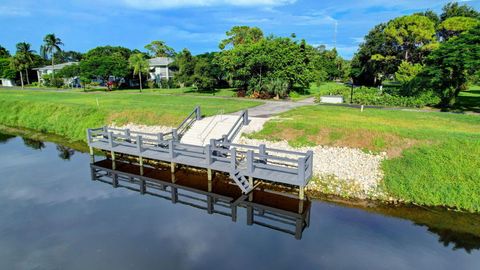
24 51
139 65
51 45
17 63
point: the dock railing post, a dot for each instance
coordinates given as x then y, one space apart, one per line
110 139
174 134
245 117
212 143
198 113
262 151
310 162
127 134
89 136
250 161
139 144
160 138
301 170
208 154
171 150
301 178
233 156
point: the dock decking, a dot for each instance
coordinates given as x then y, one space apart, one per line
244 163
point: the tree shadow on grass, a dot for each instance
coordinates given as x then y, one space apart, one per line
468 101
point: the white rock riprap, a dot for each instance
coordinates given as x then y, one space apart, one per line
350 165
144 128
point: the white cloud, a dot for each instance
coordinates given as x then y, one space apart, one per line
168 4
13 11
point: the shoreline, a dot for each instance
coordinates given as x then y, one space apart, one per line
313 193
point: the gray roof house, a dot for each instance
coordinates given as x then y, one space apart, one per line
159 68
49 69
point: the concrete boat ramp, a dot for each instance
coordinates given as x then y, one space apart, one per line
209 143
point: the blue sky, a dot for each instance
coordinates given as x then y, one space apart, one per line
196 24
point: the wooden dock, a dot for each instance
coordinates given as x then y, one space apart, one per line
244 163
269 209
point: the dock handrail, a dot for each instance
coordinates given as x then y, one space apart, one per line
187 123
233 132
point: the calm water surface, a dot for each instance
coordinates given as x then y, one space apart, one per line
53 216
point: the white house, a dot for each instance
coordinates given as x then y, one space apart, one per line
7 82
159 68
49 69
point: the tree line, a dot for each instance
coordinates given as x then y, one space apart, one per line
423 52
247 60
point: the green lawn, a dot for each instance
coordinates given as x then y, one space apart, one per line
70 113
469 100
224 92
326 88
434 157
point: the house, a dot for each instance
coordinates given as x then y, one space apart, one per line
41 71
159 68
7 82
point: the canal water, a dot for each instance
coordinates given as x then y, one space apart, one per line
53 216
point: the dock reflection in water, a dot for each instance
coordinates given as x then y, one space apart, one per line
265 208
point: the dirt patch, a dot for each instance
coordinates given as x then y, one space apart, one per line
390 143
140 117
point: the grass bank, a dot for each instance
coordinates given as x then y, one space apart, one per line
433 157
69 114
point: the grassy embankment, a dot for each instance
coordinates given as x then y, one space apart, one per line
434 157
69 114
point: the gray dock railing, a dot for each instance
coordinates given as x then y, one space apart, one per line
239 160
289 167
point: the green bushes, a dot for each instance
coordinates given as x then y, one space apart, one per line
51 81
395 101
374 96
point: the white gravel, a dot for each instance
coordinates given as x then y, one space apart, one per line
343 163
144 128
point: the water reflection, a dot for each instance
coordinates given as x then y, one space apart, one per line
266 208
5 137
32 143
457 240
65 152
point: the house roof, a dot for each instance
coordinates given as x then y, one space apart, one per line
57 66
160 61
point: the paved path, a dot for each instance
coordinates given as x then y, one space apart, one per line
214 127
271 108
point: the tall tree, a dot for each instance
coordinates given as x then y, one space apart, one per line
17 62
68 56
4 53
454 9
449 66
51 45
241 35
24 51
158 48
410 33
454 26
139 64
184 67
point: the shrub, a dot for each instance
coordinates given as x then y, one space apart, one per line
50 81
373 96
